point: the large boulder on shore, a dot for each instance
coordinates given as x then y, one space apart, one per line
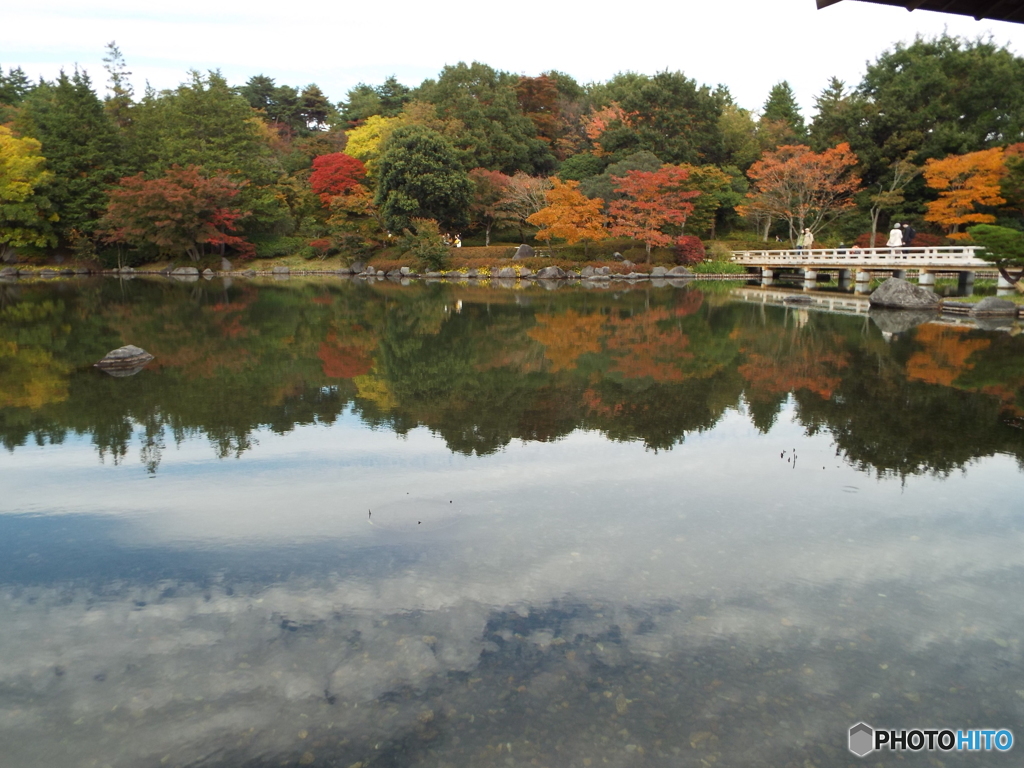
523 252
506 273
993 306
895 293
124 361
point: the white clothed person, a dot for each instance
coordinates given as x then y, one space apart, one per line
808 238
895 237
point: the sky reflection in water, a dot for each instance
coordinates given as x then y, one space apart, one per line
574 601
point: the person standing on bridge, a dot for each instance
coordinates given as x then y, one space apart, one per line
800 241
808 238
895 237
909 233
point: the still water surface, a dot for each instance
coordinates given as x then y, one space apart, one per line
337 524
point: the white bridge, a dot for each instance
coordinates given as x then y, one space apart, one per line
926 261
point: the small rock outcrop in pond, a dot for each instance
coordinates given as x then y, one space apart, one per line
895 293
124 361
993 306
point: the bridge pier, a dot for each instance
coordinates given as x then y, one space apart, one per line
810 274
844 279
1003 282
766 274
965 283
926 279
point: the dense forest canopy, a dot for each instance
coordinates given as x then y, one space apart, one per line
477 149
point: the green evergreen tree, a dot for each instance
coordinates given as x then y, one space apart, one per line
203 122
420 177
669 115
14 86
781 122
937 97
81 148
119 102
496 134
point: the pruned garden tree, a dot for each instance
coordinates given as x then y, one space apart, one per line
570 215
801 187
964 183
181 212
651 203
1004 247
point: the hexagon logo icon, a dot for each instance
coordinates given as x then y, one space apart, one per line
862 739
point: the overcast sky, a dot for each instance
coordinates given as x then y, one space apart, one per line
746 44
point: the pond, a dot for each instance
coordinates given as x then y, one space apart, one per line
347 524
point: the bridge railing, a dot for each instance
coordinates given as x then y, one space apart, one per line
951 255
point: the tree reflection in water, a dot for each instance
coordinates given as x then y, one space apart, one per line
482 367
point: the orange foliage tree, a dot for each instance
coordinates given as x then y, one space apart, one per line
801 187
652 201
964 182
570 215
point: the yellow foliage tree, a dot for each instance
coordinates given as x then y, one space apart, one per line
964 182
570 215
365 142
25 216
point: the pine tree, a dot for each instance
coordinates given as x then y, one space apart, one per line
119 102
81 148
781 122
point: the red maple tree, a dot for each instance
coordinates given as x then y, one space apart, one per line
652 201
182 211
336 174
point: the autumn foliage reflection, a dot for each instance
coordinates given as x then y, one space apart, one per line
481 367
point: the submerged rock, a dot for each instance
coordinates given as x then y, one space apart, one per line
899 294
124 361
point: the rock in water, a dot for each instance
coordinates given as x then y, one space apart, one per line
993 306
523 252
124 361
680 272
899 294
551 273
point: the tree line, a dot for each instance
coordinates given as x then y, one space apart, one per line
932 134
